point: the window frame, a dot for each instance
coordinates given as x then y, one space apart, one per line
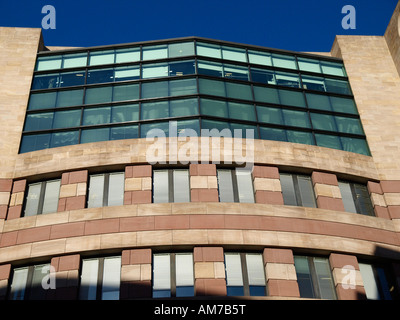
42 195
356 200
235 185
314 276
100 276
245 273
170 174
296 187
106 188
173 274
28 286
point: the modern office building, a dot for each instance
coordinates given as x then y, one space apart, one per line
95 204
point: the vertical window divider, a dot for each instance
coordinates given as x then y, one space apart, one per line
297 190
235 186
28 285
173 274
99 278
171 185
246 285
106 189
41 198
313 275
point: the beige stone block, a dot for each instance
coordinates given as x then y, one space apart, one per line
4 198
151 209
17 252
198 182
120 211
81 189
219 270
189 236
85 214
326 190
49 247
131 273
282 271
133 184
212 182
378 200
78 244
145 271
152 238
189 208
347 276
13 199
19 198
392 199
267 184
225 236
204 270
146 183
21 223
52 218
118 240
68 190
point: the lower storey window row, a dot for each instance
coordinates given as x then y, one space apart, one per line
340 141
174 275
173 185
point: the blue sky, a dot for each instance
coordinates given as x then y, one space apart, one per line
300 25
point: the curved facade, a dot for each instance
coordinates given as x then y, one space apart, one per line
97 205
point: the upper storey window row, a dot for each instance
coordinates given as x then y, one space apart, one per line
188 67
113 56
186 48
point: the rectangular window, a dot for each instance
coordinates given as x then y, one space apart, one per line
173 275
180 49
27 283
356 198
106 189
235 185
379 282
34 142
237 54
100 279
297 190
171 185
314 277
244 274
42 198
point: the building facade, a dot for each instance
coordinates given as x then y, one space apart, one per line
195 167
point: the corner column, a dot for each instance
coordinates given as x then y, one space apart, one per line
267 185
5 192
391 194
209 271
73 190
347 277
203 183
378 200
138 184
66 270
17 199
280 273
327 192
5 271
136 274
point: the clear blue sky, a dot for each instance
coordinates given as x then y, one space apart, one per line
300 25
